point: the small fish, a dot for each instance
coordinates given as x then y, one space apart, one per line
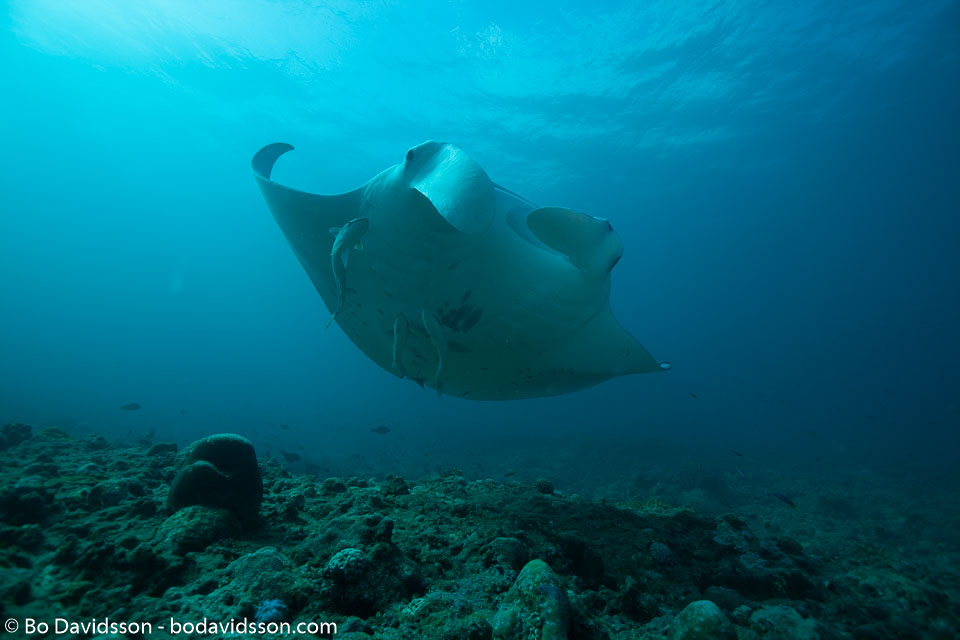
782 498
692 395
289 457
737 453
345 238
380 429
183 412
285 427
133 406
740 471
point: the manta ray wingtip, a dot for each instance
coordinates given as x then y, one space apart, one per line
264 159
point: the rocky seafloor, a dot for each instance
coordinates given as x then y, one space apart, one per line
95 530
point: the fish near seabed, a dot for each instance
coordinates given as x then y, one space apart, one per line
504 299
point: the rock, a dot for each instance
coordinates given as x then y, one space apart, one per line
543 486
27 502
28 536
107 494
194 528
661 553
581 559
162 448
741 615
349 574
333 486
395 486
97 443
16 433
701 620
42 468
262 575
784 622
220 471
726 599
536 606
509 552
636 602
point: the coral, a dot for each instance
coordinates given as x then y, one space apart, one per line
271 611
14 434
509 552
194 528
781 621
536 606
350 585
661 553
701 620
219 471
543 486
264 574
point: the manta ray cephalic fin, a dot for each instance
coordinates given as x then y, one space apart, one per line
589 243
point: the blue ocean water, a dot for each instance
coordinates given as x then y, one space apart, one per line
785 178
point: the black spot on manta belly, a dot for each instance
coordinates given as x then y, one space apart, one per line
471 320
459 347
462 318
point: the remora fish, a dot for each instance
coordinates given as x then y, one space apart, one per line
345 238
401 331
439 340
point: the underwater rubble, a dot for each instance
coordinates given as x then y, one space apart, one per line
91 529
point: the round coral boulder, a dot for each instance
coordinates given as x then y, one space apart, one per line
219 471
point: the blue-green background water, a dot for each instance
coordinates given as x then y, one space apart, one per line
785 178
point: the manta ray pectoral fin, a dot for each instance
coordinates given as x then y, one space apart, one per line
299 213
457 187
603 347
305 217
589 243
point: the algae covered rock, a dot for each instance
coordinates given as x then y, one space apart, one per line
507 551
220 471
14 434
536 606
349 576
263 575
701 620
194 528
781 621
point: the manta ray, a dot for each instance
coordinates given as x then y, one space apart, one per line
445 278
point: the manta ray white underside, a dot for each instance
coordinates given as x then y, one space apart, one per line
443 277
